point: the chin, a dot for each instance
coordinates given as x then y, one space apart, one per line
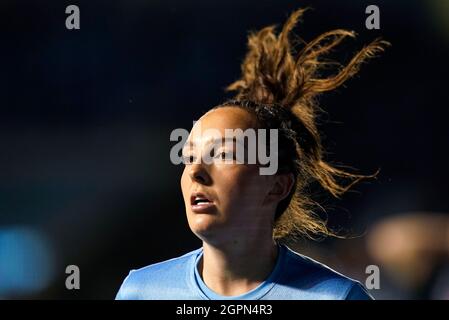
202 225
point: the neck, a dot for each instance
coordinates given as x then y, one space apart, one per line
237 267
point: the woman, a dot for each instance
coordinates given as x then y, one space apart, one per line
243 216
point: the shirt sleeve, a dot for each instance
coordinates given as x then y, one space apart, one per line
121 294
358 292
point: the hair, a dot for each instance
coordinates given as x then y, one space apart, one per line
279 84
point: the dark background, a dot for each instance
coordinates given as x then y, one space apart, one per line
85 119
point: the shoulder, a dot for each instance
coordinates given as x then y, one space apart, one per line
310 279
148 281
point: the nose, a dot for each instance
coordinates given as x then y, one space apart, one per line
199 174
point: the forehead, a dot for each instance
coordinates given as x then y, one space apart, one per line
224 118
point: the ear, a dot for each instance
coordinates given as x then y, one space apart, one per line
283 184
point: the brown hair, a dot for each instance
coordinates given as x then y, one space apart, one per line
279 84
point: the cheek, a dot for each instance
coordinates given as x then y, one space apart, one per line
242 187
185 183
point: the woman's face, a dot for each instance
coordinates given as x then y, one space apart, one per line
224 201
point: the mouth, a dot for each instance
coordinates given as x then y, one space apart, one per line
201 203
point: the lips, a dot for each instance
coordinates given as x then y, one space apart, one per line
201 203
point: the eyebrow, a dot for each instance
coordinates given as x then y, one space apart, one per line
215 141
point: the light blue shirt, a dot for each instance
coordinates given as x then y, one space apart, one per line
294 277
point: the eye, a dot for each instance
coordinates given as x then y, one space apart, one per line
223 155
188 159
